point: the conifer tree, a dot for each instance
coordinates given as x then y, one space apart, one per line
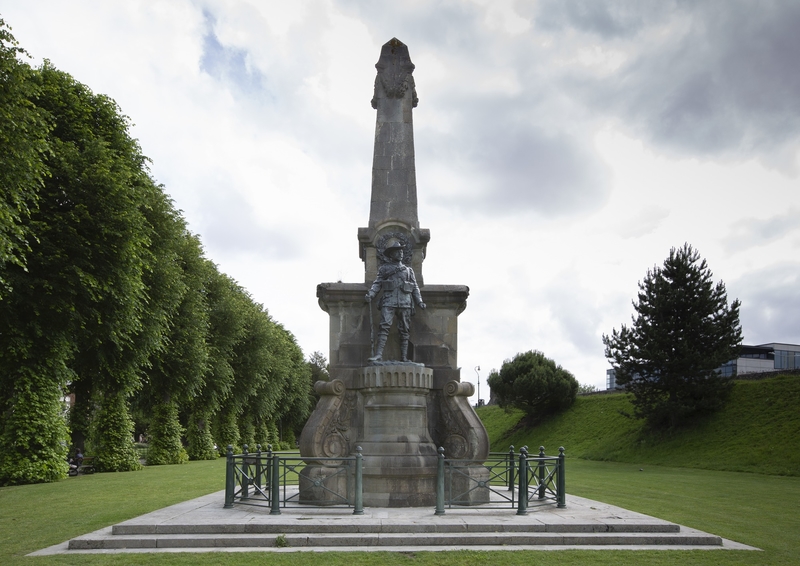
682 332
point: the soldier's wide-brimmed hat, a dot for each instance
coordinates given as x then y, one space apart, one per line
395 245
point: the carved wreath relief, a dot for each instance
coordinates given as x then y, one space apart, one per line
394 72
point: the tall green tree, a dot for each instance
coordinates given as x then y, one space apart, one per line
295 399
76 314
318 365
33 369
104 293
226 303
256 364
176 370
97 235
683 330
534 383
24 128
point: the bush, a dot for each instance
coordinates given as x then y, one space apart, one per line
111 437
165 432
199 438
535 384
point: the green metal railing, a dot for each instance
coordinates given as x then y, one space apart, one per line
274 480
472 482
270 479
541 481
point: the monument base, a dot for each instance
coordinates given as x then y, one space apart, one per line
405 488
399 454
398 416
469 486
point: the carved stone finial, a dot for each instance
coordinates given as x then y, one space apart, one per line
394 72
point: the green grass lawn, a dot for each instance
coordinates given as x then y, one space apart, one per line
753 509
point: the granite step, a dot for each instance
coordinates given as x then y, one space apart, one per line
355 540
417 527
204 525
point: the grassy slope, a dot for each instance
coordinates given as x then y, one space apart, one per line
757 431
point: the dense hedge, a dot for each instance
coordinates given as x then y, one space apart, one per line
106 295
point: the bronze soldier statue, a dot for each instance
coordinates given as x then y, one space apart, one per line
400 294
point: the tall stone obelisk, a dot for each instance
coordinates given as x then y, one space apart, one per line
393 200
398 412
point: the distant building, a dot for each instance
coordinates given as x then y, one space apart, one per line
774 356
611 380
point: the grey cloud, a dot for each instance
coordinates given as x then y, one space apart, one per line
608 19
515 166
426 25
756 232
770 303
725 83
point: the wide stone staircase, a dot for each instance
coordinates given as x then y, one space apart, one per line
204 525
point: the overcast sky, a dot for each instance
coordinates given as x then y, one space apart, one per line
562 148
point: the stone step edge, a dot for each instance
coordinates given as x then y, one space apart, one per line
397 539
407 528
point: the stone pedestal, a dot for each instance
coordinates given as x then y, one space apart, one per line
400 456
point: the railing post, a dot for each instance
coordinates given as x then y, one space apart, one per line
542 472
268 480
245 474
257 478
511 465
522 506
276 486
562 479
440 483
230 477
359 503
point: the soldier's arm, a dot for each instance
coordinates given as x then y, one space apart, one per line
416 294
375 288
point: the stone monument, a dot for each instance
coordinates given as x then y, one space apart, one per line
396 393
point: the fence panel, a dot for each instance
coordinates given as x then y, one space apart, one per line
274 480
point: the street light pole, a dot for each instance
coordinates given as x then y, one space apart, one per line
477 369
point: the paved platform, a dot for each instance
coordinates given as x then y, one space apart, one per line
203 525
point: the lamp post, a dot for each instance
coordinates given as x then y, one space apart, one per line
478 369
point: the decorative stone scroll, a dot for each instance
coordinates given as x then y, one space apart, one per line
457 427
330 422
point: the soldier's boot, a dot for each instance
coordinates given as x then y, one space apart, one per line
381 345
404 350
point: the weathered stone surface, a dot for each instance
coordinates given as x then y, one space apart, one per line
399 414
394 98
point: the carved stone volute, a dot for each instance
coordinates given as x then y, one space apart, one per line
459 430
327 433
